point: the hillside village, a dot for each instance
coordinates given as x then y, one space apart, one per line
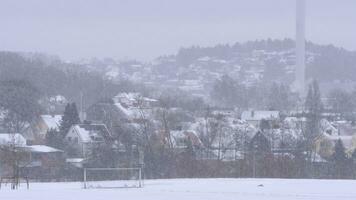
224 111
118 133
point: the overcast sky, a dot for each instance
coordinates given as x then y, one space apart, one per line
145 29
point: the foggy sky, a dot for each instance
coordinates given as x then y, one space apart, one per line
145 29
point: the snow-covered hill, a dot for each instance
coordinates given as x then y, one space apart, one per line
195 69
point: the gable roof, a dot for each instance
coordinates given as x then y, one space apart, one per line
259 115
91 132
52 121
178 137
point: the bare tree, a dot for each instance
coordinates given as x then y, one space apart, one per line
14 156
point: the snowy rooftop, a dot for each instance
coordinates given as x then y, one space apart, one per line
43 149
91 132
12 138
179 138
52 121
133 97
74 160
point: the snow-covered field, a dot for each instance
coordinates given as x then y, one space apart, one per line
188 189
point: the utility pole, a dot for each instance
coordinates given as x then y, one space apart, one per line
81 115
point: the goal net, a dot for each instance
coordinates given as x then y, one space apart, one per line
112 178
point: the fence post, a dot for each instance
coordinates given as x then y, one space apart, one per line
85 178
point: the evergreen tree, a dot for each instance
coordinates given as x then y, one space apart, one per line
54 138
228 92
70 117
259 154
313 106
340 160
265 125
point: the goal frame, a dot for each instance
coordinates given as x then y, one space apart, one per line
140 181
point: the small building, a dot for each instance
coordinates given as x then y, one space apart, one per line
46 162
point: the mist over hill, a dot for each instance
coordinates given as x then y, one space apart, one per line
195 68
192 70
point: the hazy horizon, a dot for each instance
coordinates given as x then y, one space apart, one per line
144 30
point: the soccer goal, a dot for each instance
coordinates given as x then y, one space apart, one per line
112 178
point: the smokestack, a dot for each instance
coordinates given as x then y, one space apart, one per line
300 47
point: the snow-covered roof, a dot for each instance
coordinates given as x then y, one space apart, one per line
231 127
58 99
74 160
129 112
52 121
12 138
128 104
91 132
259 115
43 149
129 96
294 122
179 138
132 97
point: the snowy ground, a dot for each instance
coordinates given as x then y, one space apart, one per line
189 189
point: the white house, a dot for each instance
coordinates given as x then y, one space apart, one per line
84 137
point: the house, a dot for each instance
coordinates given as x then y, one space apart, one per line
133 106
123 108
34 161
37 131
48 122
84 137
46 162
180 139
334 131
12 153
255 117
